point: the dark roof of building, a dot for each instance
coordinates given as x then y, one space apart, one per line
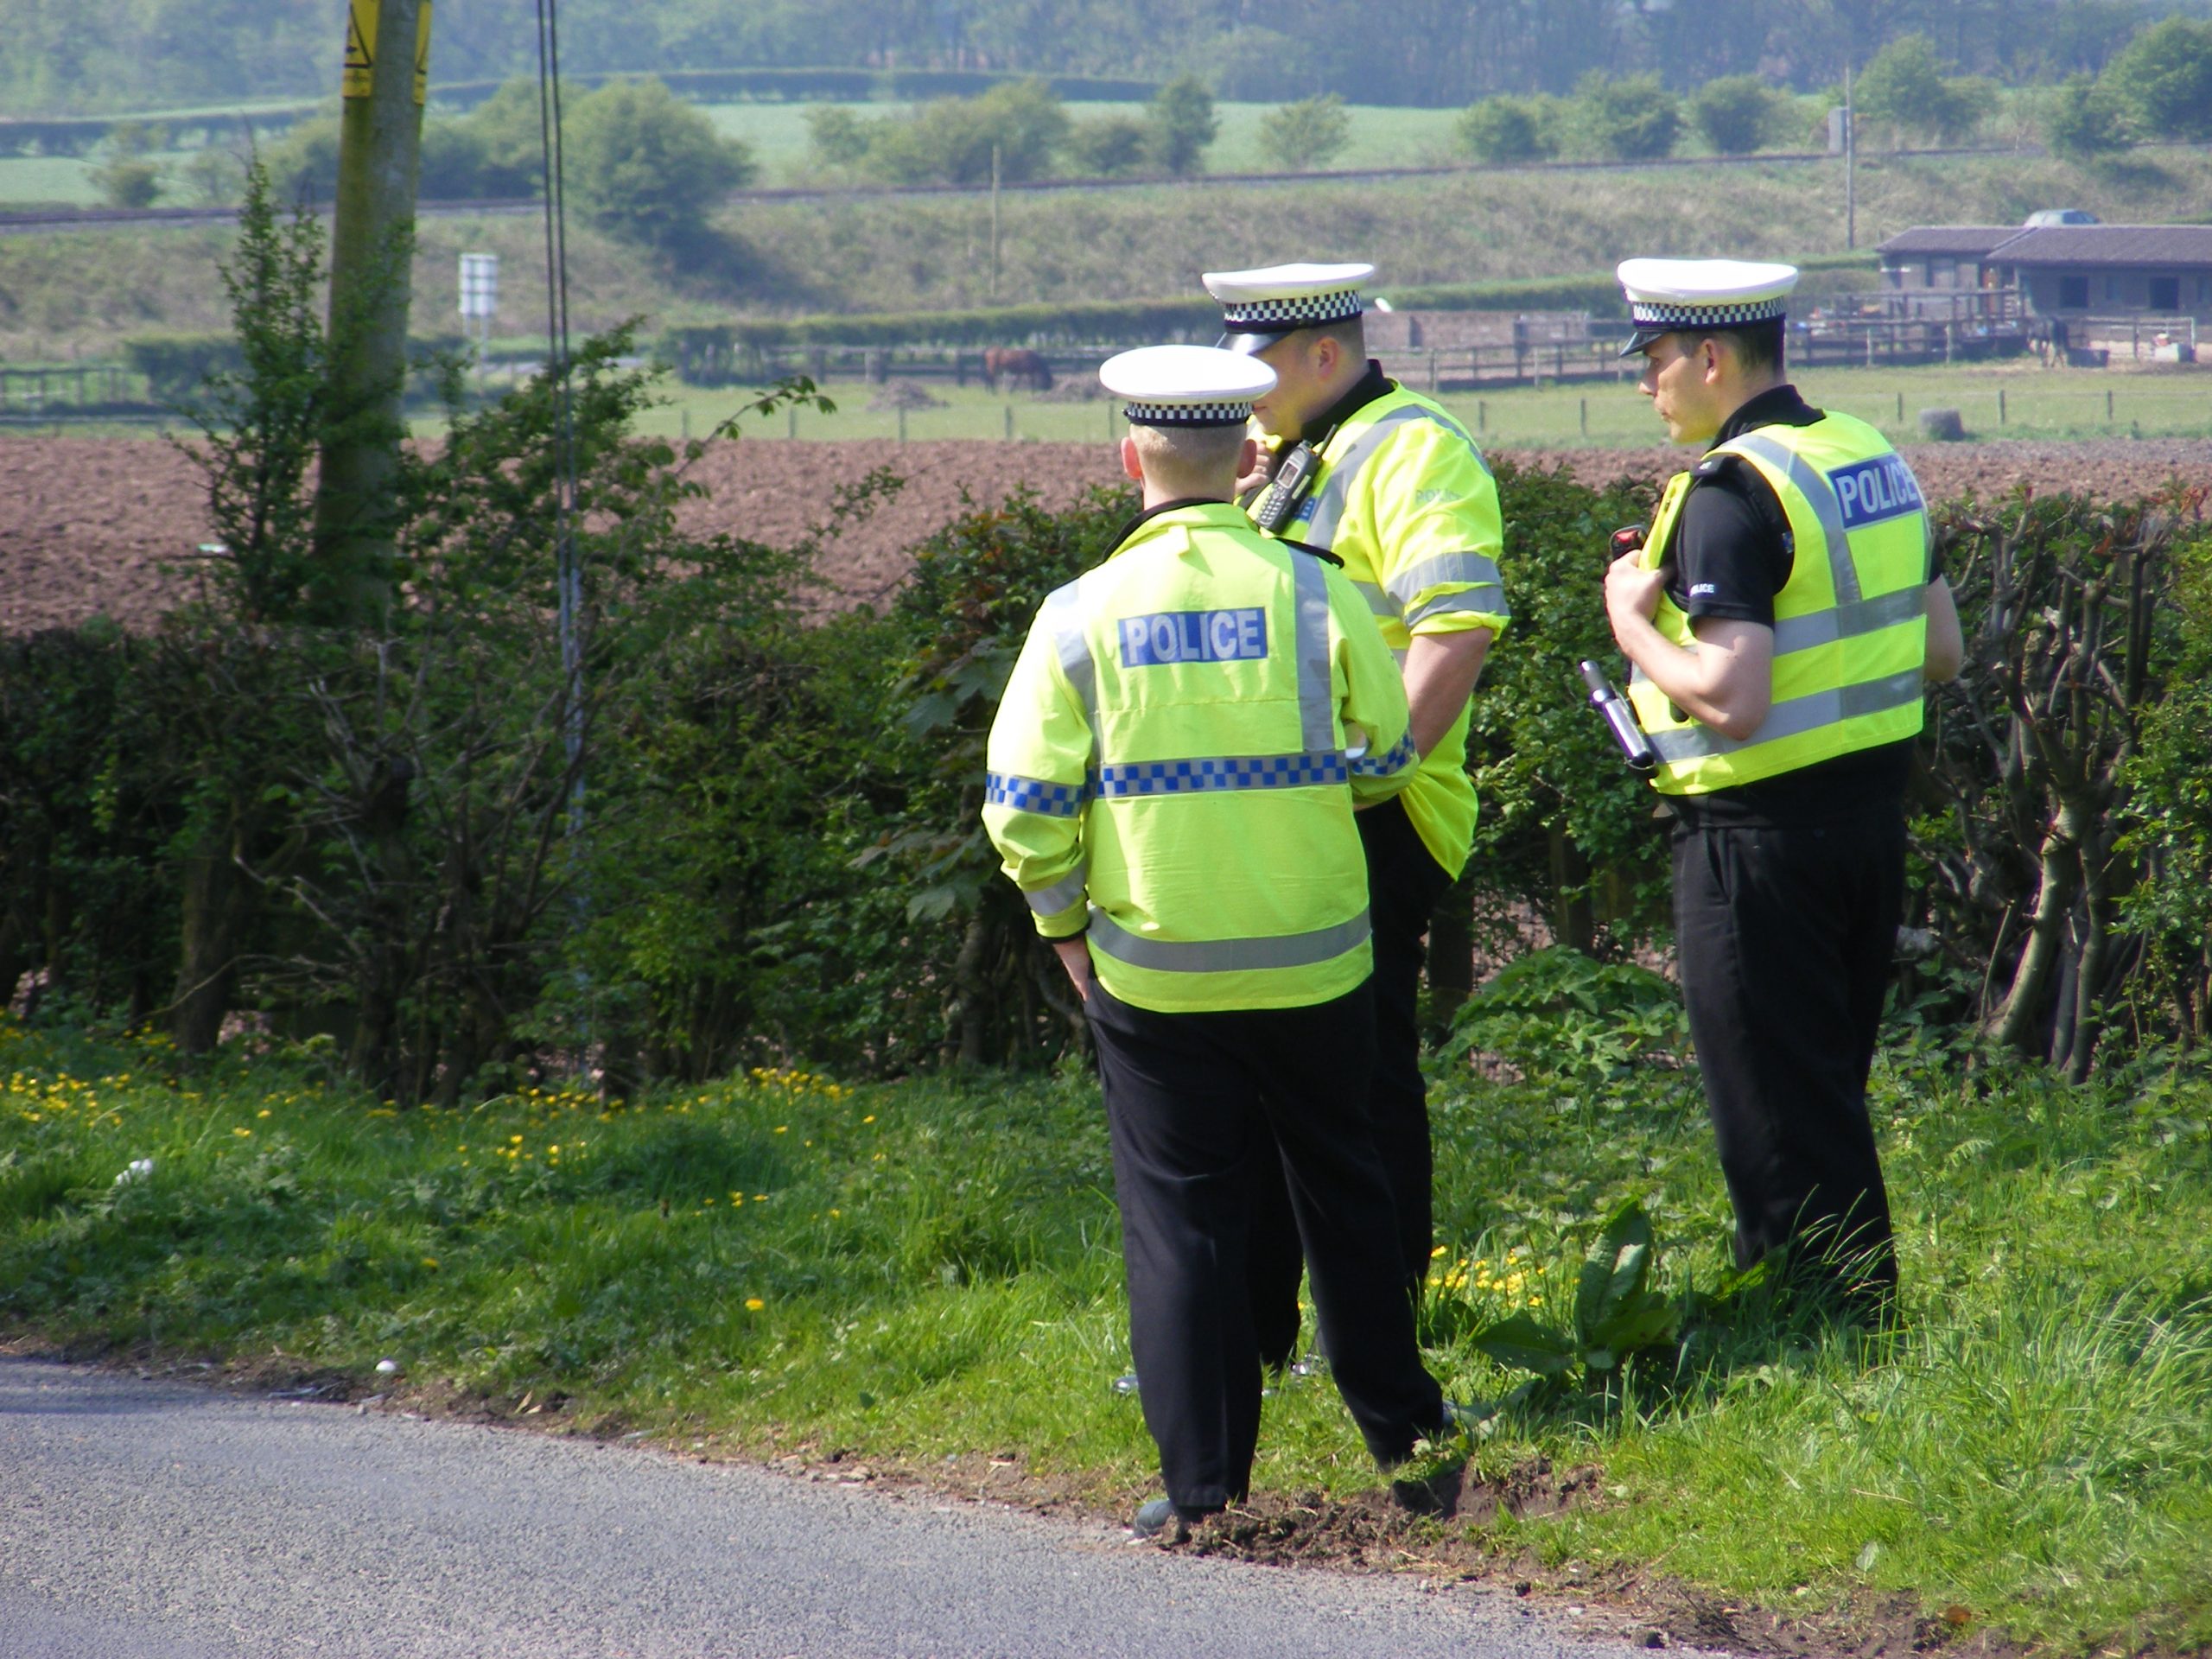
2169 245
1973 240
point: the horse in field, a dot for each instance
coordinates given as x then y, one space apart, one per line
1016 363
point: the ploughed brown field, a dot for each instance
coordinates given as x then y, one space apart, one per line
91 526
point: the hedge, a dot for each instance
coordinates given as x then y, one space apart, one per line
175 366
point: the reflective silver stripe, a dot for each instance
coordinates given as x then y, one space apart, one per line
1817 489
1062 614
1476 569
1491 601
1225 955
1846 621
1051 901
1336 483
1317 711
1377 601
1795 717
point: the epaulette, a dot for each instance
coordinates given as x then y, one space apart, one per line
1710 466
1318 552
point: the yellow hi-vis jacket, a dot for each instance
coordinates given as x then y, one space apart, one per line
1404 497
1850 625
1175 758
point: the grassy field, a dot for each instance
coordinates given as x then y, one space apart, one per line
82 292
2037 403
925 1277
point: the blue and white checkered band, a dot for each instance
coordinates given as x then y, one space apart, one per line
1223 413
1297 311
1665 313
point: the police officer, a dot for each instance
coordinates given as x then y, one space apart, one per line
1386 481
1172 776
1782 616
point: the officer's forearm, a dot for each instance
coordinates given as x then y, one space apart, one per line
1440 671
1727 683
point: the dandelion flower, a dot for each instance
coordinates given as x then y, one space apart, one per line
753 1304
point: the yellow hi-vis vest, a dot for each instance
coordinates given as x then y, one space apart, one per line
1404 497
1850 625
1174 762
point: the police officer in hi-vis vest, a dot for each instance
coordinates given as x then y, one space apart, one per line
1781 617
1388 483
1172 776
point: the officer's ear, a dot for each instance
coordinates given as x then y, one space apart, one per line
1712 358
1134 469
1248 458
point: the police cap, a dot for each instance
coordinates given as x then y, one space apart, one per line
1186 385
1258 308
1668 296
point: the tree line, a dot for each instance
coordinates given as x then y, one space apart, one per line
136 54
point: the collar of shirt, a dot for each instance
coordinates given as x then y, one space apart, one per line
1776 406
1229 513
1365 391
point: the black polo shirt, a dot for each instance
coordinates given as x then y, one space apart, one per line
1731 555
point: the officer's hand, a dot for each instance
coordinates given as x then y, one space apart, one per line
1632 591
1254 479
1075 957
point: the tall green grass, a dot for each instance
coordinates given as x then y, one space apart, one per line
928 1270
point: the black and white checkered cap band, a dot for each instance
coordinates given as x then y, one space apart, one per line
1662 314
1297 311
1234 413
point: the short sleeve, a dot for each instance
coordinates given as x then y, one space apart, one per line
1729 556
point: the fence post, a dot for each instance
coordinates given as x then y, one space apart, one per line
791 420
1582 409
1009 420
902 423
2000 405
2107 405
1482 415
1900 409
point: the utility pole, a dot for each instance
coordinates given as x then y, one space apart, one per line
1850 163
387 66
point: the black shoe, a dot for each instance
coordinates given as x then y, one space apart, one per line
1158 1520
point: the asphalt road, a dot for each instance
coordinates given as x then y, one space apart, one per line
142 1519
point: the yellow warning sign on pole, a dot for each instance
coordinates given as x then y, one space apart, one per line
360 77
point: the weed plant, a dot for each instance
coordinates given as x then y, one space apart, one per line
928 1271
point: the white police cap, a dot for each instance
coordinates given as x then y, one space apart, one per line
1186 385
1667 296
1260 307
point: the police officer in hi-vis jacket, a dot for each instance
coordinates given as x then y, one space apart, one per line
1172 771
1781 617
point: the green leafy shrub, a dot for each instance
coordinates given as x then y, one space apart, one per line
1110 146
2163 79
1507 129
1733 113
1557 1014
645 166
2085 120
1619 1321
1180 124
1309 133
1634 119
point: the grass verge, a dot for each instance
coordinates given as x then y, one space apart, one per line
924 1278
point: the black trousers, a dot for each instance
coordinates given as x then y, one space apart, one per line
1785 938
1198 1104
1404 884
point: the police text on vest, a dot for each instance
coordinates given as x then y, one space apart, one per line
1193 637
